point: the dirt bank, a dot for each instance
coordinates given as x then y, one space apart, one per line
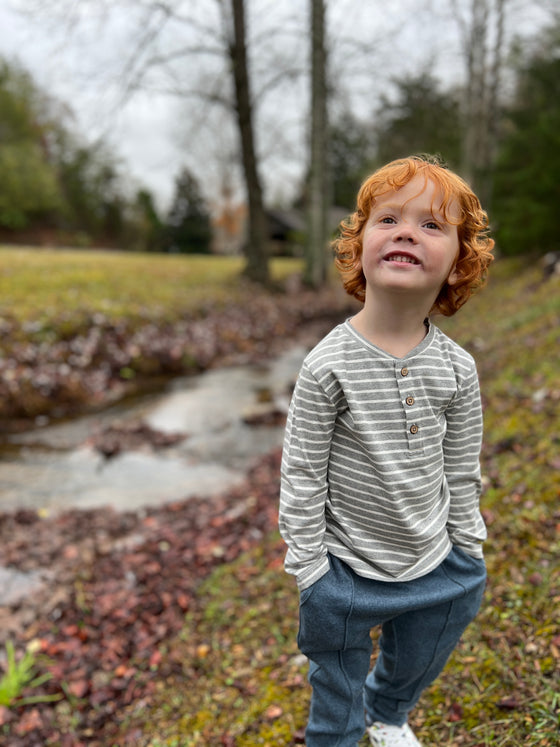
46 375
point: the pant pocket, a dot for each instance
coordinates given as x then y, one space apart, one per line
324 610
464 569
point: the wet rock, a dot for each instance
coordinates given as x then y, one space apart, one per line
131 436
15 585
265 415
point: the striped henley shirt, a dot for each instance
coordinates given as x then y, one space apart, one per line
380 464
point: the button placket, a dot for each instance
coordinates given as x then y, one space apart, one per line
408 399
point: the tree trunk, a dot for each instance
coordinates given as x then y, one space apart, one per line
482 91
318 201
476 119
493 130
256 251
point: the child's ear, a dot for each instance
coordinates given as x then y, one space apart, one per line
453 276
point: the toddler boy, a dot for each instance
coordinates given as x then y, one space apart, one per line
380 473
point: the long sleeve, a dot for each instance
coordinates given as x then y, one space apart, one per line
461 447
304 482
380 465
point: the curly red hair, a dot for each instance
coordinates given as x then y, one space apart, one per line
475 246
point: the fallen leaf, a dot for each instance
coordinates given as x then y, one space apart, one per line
273 712
455 712
29 721
509 704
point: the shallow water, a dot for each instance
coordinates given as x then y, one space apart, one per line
54 468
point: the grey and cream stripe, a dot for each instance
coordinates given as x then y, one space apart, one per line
381 458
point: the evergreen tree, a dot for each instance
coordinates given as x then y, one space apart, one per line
527 178
420 119
147 222
351 153
188 221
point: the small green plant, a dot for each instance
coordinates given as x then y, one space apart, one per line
21 674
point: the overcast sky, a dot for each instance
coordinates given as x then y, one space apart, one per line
153 134
140 132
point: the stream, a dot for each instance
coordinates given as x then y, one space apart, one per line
55 468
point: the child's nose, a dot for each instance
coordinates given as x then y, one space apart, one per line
404 232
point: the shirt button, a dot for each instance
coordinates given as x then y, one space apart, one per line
414 429
409 400
404 371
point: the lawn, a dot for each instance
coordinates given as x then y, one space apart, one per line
41 285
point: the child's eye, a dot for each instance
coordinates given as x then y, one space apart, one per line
387 219
432 225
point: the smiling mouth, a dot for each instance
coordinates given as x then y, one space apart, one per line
406 258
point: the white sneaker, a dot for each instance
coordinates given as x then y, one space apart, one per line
385 735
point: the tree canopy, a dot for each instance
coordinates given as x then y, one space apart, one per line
49 177
28 185
527 176
420 118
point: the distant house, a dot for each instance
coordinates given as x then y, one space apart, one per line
286 229
286 232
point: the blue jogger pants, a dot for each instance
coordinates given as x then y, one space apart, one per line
421 623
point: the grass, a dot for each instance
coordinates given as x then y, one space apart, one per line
19 675
243 682
40 285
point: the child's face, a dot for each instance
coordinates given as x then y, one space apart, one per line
407 244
